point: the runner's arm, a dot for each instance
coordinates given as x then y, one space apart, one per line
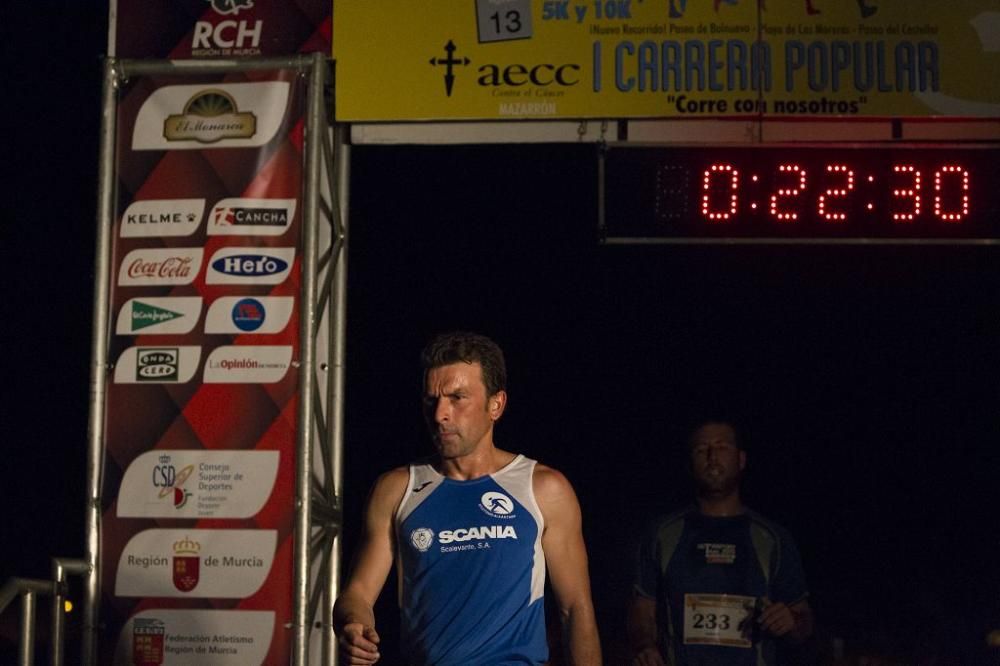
642 633
566 559
353 613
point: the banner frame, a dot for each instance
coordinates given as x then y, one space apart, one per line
318 516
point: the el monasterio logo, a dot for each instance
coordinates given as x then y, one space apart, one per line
210 116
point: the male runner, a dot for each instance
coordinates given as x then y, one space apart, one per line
717 583
471 532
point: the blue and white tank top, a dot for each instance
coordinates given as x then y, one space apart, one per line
471 568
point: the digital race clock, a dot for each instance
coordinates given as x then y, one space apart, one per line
857 193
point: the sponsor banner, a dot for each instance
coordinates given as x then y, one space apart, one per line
185 452
162 217
248 314
197 484
497 59
218 28
157 365
250 265
160 266
246 364
223 564
223 115
251 217
153 316
168 637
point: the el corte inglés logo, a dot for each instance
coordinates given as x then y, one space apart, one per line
210 116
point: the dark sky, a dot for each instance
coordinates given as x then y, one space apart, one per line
864 379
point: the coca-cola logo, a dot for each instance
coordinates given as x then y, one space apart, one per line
170 267
149 266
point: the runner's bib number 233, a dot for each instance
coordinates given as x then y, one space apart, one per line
718 619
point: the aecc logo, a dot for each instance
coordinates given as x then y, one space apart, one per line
513 74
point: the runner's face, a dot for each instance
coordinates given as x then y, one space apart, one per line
459 414
716 463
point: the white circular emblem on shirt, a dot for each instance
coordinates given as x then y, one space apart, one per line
422 538
497 503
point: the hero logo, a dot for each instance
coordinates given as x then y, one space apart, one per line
242 265
249 265
478 533
227 34
422 538
497 504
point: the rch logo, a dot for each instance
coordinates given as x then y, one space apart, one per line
449 63
230 6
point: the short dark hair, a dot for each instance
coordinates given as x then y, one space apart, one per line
466 347
701 423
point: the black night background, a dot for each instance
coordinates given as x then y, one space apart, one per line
864 380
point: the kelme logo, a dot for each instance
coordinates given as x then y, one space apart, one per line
162 217
208 117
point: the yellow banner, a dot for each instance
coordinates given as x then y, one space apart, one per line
512 59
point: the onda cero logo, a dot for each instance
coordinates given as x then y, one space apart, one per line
250 265
157 365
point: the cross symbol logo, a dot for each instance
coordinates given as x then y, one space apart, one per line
449 62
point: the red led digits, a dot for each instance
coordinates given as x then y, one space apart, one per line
955 215
912 192
822 201
706 199
782 215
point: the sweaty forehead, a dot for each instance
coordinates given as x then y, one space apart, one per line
446 379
